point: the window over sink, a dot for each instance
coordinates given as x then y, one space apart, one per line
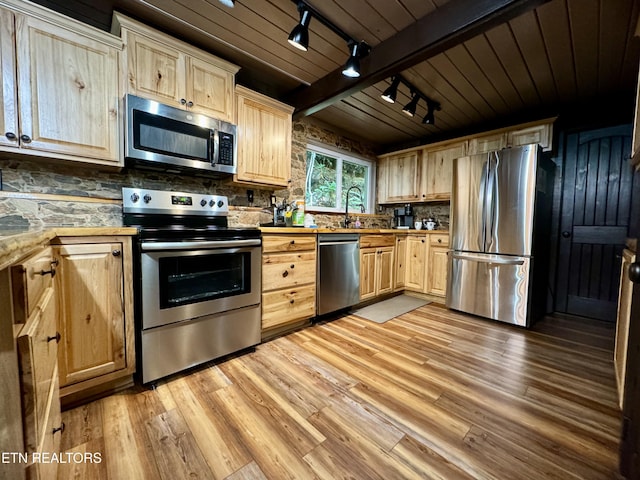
330 175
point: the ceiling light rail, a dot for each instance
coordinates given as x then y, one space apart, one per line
299 37
391 92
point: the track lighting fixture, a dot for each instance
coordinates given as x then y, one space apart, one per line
391 92
299 38
429 118
410 108
352 67
228 3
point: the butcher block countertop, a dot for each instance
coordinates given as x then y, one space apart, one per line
15 243
345 230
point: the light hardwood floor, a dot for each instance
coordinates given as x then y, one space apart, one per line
429 394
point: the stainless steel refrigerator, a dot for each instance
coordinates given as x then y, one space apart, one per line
500 209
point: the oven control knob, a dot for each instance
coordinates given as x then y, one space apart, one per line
220 203
147 198
203 202
135 197
212 202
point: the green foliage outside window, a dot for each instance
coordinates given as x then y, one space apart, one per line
329 178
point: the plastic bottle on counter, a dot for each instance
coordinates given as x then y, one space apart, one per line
298 213
358 224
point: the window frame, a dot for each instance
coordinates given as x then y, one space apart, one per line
340 156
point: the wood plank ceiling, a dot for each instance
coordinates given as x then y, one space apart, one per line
560 56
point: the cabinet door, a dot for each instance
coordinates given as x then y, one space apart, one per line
400 262
68 91
210 89
384 273
437 270
487 143
156 71
264 142
402 178
622 323
8 113
92 323
540 134
367 273
416 258
438 171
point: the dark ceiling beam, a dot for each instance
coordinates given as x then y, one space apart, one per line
453 23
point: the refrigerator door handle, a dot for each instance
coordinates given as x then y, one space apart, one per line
482 206
489 260
492 200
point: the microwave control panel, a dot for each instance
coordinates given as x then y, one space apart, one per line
225 156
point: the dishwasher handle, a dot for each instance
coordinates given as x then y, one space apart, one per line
344 242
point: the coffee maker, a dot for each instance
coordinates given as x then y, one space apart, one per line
403 217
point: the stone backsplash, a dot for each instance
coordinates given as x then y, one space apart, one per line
45 193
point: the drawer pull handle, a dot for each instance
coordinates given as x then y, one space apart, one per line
51 272
56 338
25 138
11 136
58 429
439 240
285 273
291 301
292 242
116 253
422 240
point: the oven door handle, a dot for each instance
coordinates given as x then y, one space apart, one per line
157 246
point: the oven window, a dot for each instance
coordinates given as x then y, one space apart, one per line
199 278
153 133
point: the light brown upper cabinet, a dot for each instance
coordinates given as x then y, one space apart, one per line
60 86
418 175
399 178
264 139
164 69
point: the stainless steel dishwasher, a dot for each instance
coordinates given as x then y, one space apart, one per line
338 272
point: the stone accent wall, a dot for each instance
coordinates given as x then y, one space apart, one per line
95 195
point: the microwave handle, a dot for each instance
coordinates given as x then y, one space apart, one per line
213 147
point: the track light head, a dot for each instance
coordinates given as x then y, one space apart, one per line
429 118
390 94
357 51
410 108
299 36
228 3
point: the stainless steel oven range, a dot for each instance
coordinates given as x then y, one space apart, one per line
197 289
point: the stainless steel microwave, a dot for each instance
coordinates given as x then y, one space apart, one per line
165 138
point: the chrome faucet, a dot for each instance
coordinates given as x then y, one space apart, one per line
347 221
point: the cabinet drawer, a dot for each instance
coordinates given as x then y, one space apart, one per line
439 239
288 305
29 280
288 243
288 270
368 241
51 436
37 353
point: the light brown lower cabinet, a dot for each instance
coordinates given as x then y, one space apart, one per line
376 265
400 262
425 267
288 282
96 354
622 323
35 316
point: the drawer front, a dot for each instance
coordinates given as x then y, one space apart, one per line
288 243
38 351
288 270
439 239
51 437
29 280
288 305
369 241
